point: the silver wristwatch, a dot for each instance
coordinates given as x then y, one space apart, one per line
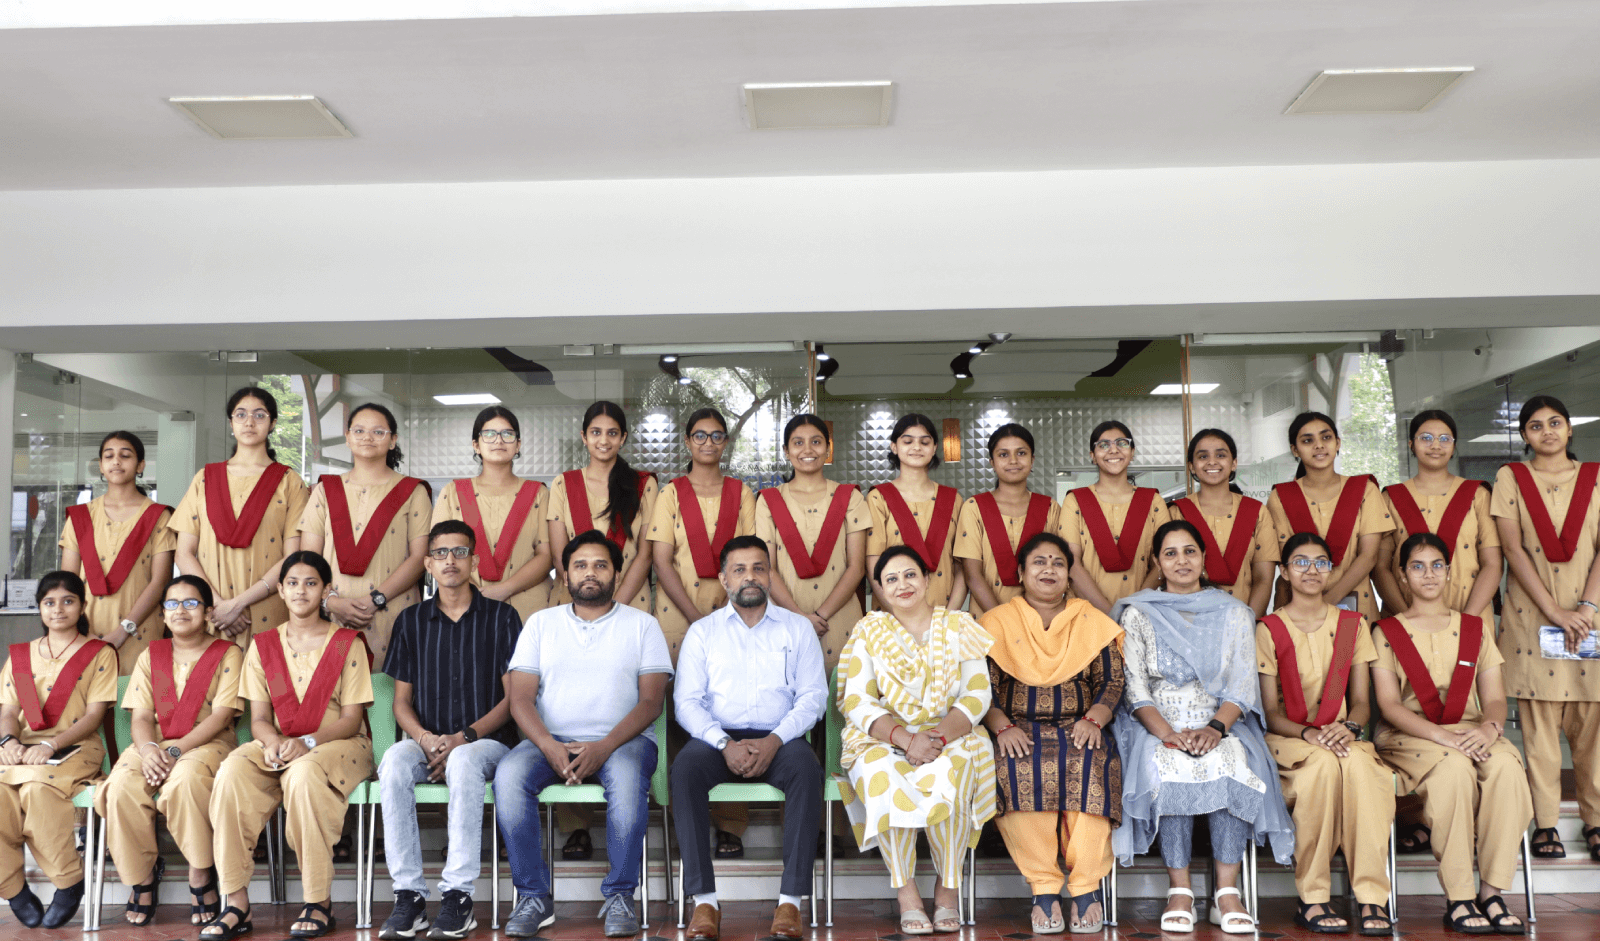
722 743
129 627
310 740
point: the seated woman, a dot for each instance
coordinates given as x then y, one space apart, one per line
913 685
309 684
54 693
184 696
1190 732
1438 685
1056 672
1316 691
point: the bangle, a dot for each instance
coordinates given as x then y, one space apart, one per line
1303 731
1590 605
1009 725
49 743
1091 721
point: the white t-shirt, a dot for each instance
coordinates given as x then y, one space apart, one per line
589 670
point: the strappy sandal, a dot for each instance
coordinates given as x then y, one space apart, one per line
220 930
343 852
1379 913
1416 839
1231 922
1505 922
308 911
729 846
946 920
1049 924
579 846
1320 923
1179 922
915 922
1551 848
1459 922
1080 905
146 911
1590 833
200 908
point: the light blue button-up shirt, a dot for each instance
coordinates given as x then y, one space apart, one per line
733 676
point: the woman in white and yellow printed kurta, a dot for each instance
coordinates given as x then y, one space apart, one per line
913 687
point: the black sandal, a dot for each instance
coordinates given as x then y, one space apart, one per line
343 852
578 847
1591 833
228 932
1378 912
1503 922
729 846
1318 924
1459 923
307 911
1551 848
206 911
1416 839
147 911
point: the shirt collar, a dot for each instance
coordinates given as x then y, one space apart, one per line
730 613
436 614
572 615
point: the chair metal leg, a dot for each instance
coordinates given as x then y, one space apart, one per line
827 858
1111 895
1394 877
494 873
93 862
682 901
273 862
361 862
644 880
1250 877
283 857
550 844
1527 876
666 850
972 885
369 854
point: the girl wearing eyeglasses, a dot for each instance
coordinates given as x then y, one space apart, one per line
238 520
184 697
506 513
1437 501
1110 524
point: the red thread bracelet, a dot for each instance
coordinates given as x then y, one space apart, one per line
1090 720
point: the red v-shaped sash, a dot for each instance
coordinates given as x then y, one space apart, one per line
101 582
812 564
1455 512
994 527
578 504
41 717
1223 565
1422 682
1557 548
1294 695
702 548
238 532
1341 528
177 714
1116 554
492 562
929 547
354 557
298 716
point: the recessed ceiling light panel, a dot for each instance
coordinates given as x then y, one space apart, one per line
817 104
471 398
1376 91
1176 388
263 117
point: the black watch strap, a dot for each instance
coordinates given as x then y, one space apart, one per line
8 738
469 734
1217 724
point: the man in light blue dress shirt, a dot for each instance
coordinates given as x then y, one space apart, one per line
750 684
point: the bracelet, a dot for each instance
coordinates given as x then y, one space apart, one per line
1590 605
1303 731
1091 721
1009 726
942 740
51 745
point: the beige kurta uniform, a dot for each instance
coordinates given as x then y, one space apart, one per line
1373 519
1263 548
130 804
599 500
1464 802
106 613
231 571
495 509
1114 585
666 525
972 542
1478 530
1554 696
314 788
810 593
886 533
1338 803
412 521
36 800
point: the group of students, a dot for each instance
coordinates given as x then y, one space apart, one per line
1118 673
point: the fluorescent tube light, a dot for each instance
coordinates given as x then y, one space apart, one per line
1282 339
1585 419
471 398
1176 388
702 349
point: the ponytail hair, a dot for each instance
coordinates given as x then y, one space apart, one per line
73 584
391 457
267 402
622 486
133 442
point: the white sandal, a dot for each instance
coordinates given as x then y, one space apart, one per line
1232 922
1179 922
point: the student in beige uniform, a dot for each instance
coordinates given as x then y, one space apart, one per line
1316 690
309 686
513 557
1445 740
1548 512
42 717
1242 564
237 543
182 731
131 549
913 510
989 556
1113 558
823 525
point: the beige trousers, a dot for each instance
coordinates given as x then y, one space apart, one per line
1341 803
43 817
1543 723
1465 802
129 805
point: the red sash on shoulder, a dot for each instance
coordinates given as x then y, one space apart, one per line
1116 554
102 583
1222 566
176 714
578 504
702 548
41 717
994 527
929 546
1422 682
1294 696
1455 512
1557 548
238 532
492 562
812 564
1341 528
298 716
354 557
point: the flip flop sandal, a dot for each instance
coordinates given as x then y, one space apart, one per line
220 930
1049 924
1416 839
729 846
915 922
1502 922
579 846
1080 905
1179 922
1459 922
1551 848
1378 912
1591 833
946 920
308 912
202 908
148 910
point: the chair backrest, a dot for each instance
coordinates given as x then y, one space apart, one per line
122 718
834 727
659 789
380 715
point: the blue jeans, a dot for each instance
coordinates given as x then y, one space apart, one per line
626 778
465 772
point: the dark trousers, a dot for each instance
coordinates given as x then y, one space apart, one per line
794 771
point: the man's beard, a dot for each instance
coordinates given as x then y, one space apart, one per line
742 596
592 592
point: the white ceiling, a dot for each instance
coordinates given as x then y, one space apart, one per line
1153 83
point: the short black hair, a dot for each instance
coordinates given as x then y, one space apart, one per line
452 528
742 542
591 537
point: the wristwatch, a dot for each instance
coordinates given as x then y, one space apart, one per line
129 627
722 743
1222 730
8 738
1354 729
174 751
380 600
310 740
469 735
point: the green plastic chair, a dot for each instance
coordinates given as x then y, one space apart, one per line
94 844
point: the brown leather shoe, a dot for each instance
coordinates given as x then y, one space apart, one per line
706 925
786 922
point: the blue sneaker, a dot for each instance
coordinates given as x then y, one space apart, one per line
621 919
531 913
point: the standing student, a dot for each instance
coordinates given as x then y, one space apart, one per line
1347 512
1109 525
119 544
371 523
1437 501
184 696
1549 520
54 693
816 530
239 519
1241 544
506 514
912 510
994 523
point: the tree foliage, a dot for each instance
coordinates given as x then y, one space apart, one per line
1369 433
